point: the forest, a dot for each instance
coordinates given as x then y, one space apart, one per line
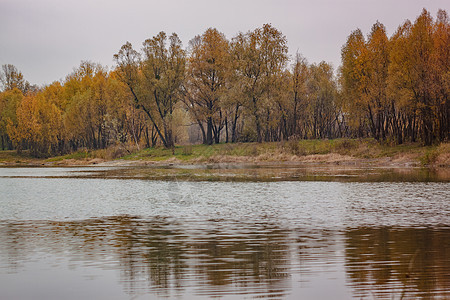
247 89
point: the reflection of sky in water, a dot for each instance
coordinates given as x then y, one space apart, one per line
64 237
50 172
305 203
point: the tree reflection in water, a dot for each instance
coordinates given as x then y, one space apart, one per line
413 262
170 258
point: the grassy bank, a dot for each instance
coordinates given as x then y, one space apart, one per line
339 151
332 151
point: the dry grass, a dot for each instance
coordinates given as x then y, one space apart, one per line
442 156
404 158
328 158
339 151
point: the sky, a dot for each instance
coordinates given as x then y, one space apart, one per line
47 39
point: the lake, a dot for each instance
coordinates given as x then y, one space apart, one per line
231 232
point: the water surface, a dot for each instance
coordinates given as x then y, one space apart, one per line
112 233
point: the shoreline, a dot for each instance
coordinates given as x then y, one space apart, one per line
326 167
359 153
300 161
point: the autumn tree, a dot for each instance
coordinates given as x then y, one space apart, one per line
206 83
441 75
38 124
420 53
155 81
298 97
377 102
322 101
354 79
260 57
403 108
232 102
417 76
363 76
9 102
86 108
11 78
126 123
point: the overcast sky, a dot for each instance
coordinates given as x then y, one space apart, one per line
47 39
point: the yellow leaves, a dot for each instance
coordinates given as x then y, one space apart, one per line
418 61
58 113
9 101
404 74
154 82
209 63
38 125
27 125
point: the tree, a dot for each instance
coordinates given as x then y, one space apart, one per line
420 51
354 80
418 73
11 78
38 124
208 74
402 105
9 102
322 95
155 82
86 107
260 57
377 102
299 78
441 75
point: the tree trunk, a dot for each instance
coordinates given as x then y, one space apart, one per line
209 138
154 137
147 137
372 123
202 129
234 124
226 129
413 129
257 121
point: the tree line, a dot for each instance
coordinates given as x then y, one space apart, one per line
240 90
398 87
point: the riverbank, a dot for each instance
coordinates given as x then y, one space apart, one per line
324 152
